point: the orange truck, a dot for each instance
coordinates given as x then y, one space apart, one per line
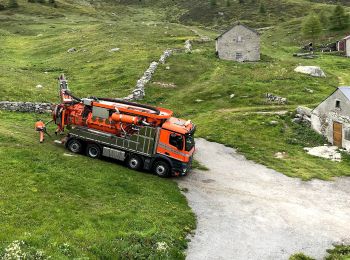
143 136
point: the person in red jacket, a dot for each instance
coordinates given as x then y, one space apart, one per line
41 128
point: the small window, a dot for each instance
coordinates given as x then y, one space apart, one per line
176 140
239 55
347 134
337 103
239 39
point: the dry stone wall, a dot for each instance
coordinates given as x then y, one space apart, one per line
137 94
26 107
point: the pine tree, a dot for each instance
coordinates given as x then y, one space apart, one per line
13 4
228 3
213 2
312 27
339 20
324 19
262 8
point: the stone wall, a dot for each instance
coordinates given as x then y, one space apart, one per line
139 90
137 94
26 107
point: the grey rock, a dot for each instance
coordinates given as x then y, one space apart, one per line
114 49
71 50
304 111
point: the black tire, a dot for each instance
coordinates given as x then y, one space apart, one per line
161 169
75 146
134 162
93 151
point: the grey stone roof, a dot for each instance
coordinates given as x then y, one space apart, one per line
346 91
236 24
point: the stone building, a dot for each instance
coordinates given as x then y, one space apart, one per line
331 118
344 46
240 43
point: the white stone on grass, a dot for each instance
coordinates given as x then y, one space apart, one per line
114 49
314 71
328 152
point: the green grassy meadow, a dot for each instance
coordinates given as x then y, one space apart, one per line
73 207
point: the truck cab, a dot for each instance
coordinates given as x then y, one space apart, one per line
176 143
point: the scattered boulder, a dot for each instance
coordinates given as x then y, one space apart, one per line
188 46
328 152
232 96
164 85
314 71
71 50
39 86
303 115
275 99
281 155
199 100
309 90
114 49
304 111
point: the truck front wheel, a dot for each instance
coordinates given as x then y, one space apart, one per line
134 162
75 146
93 151
162 169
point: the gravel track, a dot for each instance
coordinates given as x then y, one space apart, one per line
247 211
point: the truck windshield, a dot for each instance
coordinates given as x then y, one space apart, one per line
189 143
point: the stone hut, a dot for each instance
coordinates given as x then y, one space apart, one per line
331 118
240 43
344 46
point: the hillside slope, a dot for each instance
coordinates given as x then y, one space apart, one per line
34 40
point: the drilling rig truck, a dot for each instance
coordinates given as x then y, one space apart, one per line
143 136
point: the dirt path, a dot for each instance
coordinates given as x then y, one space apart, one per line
247 211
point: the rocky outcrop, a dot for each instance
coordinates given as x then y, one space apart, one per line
26 107
311 70
303 115
275 99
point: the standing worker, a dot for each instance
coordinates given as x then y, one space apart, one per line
41 128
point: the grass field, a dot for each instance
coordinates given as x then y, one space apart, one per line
73 207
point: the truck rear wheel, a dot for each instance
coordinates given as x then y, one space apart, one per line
134 162
162 169
75 146
93 151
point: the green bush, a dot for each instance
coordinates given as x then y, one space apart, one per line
300 256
